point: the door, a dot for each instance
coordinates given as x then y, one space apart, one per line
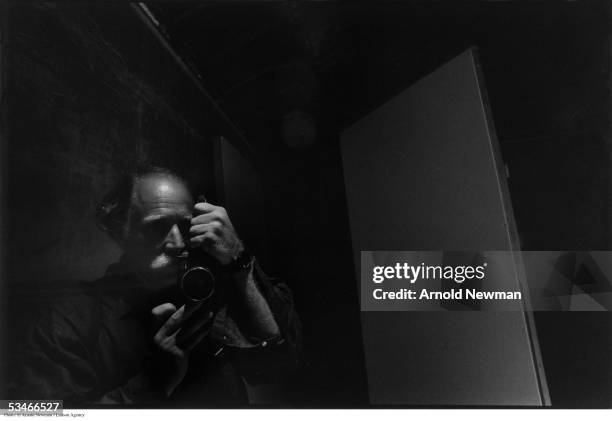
423 172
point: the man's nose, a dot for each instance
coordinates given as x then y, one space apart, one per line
174 240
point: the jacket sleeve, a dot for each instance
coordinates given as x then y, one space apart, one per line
56 364
265 361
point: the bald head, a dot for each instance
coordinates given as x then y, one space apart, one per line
160 191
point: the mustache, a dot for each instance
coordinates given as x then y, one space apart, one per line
173 254
179 255
168 260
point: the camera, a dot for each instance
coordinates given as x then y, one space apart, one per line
197 279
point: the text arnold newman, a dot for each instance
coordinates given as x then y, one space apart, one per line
453 294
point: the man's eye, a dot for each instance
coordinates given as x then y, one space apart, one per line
156 231
184 226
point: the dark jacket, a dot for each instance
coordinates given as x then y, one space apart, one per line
95 347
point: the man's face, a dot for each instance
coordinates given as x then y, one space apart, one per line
158 227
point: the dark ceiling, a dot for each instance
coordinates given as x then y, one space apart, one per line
544 62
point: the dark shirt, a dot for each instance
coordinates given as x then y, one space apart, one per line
96 348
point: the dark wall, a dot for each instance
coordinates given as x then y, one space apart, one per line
310 240
90 90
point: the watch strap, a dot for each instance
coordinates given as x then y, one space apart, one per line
241 263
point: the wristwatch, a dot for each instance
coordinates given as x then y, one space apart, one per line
241 263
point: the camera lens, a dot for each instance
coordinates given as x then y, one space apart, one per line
197 284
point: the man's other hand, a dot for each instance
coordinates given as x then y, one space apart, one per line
179 331
212 231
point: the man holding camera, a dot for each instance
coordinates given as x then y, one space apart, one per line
133 338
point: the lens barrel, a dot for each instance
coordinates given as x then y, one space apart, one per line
197 284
